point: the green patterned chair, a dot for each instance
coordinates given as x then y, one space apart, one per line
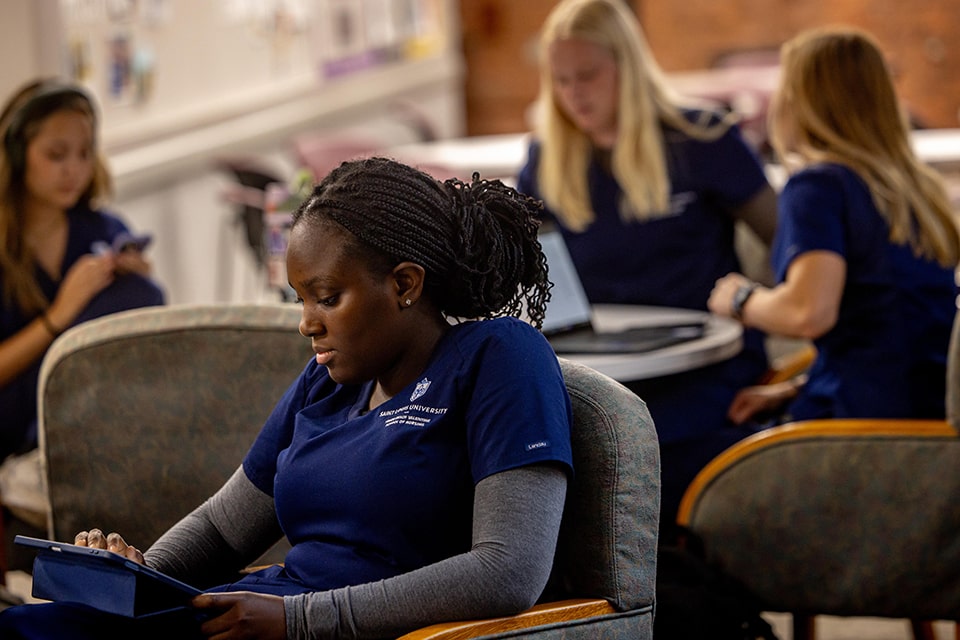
144 414
840 517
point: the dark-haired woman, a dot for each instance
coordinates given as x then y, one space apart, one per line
51 277
417 466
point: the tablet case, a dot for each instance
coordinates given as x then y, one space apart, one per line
103 580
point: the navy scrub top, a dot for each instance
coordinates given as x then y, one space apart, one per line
886 355
365 496
672 260
18 399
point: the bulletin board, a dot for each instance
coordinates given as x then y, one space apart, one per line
159 67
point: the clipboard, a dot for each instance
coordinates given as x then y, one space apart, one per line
103 580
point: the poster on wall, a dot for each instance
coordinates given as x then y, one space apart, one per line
342 35
358 34
106 50
160 67
422 24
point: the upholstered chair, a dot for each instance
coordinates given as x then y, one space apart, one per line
605 567
840 517
144 414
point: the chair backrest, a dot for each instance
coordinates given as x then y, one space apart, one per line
143 414
608 538
164 402
840 517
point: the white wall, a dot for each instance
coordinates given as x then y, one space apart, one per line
199 251
22 52
166 175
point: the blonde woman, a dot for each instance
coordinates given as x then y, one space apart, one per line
866 247
646 190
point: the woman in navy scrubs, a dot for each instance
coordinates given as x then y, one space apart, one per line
418 466
58 264
52 271
646 189
866 248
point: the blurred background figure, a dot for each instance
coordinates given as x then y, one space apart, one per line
866 246
62 260
647 189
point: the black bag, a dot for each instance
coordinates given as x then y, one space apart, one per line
696 600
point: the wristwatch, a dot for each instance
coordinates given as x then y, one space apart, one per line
740 298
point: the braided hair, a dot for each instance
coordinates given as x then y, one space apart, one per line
477 241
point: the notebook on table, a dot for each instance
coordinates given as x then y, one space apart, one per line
568 323
103 580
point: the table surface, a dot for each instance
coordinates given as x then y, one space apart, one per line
722 339
493 156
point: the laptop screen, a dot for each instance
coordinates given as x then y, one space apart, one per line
568 307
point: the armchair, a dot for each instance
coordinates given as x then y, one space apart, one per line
840 517
144 414
604 573
158 403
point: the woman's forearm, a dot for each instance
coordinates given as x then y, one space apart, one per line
516 520
24 348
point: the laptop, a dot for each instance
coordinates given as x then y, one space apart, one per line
568 324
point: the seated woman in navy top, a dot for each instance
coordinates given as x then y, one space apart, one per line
58 265
646 189
866 248
418 466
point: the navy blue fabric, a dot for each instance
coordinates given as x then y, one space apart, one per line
392 490
670 260
18 399
56 621
673 261
363 496
886 355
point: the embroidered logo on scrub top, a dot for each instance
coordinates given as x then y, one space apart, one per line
680 201
413 415
420 389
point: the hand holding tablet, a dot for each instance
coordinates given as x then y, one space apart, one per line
103 579
111 542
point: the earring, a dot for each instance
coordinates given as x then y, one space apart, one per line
408 302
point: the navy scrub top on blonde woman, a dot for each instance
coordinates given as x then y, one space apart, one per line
673 261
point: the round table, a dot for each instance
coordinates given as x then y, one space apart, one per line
722 339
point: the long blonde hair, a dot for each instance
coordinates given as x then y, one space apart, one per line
645 103
20 121
837 103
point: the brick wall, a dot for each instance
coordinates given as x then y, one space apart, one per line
921 39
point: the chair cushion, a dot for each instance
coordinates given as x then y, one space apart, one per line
608 538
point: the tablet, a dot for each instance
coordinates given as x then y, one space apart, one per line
103 580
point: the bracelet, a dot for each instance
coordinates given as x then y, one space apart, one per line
52 328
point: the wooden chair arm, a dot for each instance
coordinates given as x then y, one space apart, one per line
789 365
808 429
547 613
